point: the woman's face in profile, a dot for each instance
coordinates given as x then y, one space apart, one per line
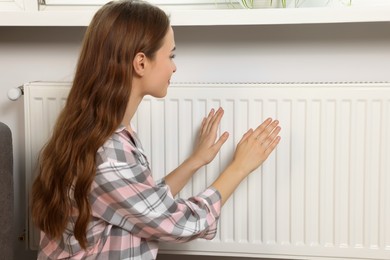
159 72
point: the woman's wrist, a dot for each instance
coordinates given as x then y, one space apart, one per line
179 177
228 180
194 163
238 169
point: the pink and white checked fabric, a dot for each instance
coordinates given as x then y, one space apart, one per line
131 212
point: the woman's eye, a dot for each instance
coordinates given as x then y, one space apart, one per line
172 56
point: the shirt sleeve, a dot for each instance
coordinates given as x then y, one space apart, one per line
126 196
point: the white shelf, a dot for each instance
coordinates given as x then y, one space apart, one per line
280 16
215 17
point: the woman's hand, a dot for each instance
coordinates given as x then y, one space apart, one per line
205 150
252 150
255 146
207 145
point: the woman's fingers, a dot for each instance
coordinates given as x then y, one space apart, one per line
222 139
262 127
208 145
211 122
271 137
263 131
272 145
216 120
246 135
206 122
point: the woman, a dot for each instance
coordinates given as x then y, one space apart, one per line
94 196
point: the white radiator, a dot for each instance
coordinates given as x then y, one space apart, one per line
325 192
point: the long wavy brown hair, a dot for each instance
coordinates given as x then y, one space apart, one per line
94 109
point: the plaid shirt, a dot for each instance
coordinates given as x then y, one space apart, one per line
131 212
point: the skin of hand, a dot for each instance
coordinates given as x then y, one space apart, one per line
207 147
205 150
252 150
255 146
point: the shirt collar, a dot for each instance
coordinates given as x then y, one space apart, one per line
120 129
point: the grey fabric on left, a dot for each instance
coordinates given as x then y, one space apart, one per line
7 193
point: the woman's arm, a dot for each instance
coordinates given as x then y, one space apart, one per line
205 151
126 196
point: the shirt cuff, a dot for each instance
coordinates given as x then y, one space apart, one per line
212 199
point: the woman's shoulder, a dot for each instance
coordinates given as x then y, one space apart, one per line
117 148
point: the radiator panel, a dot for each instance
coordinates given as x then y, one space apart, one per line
43 102
323 194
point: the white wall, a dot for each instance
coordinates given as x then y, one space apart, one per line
338 52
